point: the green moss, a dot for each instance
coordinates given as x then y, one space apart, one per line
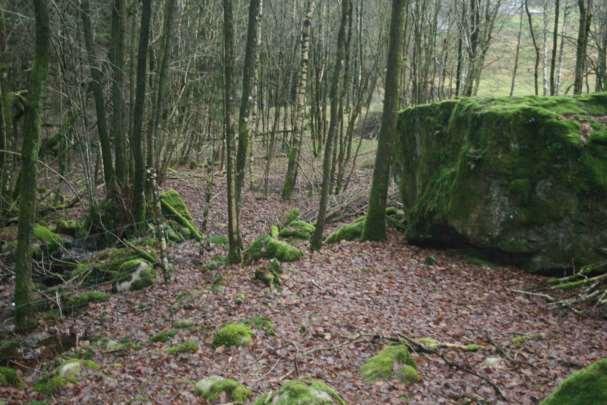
297 229
389 363
188 346
302 392
9 377
133 275
216 263
233 334
268 247
175 208
508 174
67 373
211 388
291 215
48 238
81 300
71 227
472 347
9 349
219 240
351 231
584 387
270 275
261 323
186 324
164 336
429 343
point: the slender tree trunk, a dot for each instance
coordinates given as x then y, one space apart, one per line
299 115
234 240
545 64
559 67
117 67
152 151
96 86
375 223
536 48
555 40
248 83
139 176
601 74
29 159
517 53
316 240
585 9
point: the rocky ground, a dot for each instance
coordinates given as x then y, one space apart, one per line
335 309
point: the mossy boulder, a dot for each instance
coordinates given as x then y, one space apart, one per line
584 387
67 373
351 231
270 247
297 229
214 387
233 334
174 208
392 362
302 392
126 268
521 179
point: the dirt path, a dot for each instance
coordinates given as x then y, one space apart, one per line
334 309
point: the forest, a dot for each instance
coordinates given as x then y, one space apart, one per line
303 202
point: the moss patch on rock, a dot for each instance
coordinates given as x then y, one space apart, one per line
304 392
270 247
233 334
66 374
352 231
584 387
133 275
174 207
392 362
298 229
83 299
513 177
213 387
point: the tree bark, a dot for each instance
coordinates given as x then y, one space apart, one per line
139 176
375 223
117 67
536 47
96 86
234 240
316 240
555 40
246 101
299 115
29 159
585 10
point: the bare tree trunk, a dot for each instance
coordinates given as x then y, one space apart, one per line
585 8
517 53
246 101
555 38
117 66
29 158
536 48
299 115
233 212
138 114
316 240
375 223
97 78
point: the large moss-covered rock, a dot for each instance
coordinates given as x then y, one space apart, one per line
392 361
585 387
302 392
524 179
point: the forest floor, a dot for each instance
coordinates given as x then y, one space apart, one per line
336 308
